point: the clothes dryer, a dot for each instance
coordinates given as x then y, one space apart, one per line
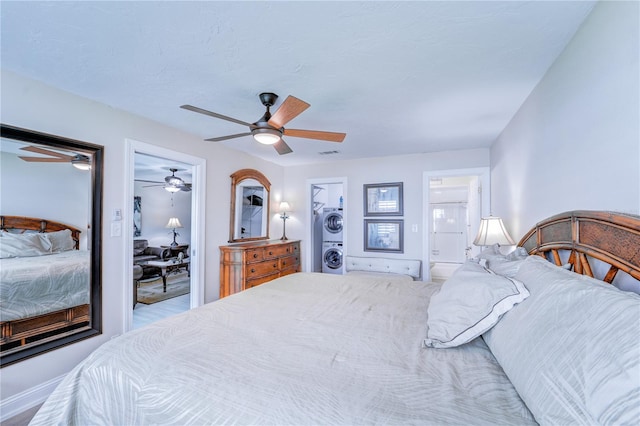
332 258
332 224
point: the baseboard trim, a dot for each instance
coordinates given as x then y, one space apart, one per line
27 399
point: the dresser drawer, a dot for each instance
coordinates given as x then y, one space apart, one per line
254 255
260 280
289 262
262 268
277 251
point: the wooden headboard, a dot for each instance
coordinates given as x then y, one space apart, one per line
22 223
613 238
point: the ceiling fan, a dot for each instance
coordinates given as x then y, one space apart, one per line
79 161
173 183
269 129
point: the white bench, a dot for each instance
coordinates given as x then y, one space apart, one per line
409 267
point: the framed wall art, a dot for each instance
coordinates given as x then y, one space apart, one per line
383 199
384 235
137 216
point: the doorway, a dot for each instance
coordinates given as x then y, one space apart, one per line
326 199
454 203
164 217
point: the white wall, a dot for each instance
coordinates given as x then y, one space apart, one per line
45 190
575 142
32 105
157 208
406 168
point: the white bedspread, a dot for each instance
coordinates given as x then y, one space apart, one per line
304 349
31 286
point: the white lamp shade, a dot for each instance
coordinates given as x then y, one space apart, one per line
81 162
174 222
284 206
172 188
492 231
266 136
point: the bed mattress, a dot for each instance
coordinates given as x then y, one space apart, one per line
31 286
307 348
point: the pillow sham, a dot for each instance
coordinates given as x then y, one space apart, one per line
469 303
571 349
61 241
509 264
23 245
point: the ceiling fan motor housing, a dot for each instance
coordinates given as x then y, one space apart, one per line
268 99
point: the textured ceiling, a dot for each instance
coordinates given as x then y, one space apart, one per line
397 77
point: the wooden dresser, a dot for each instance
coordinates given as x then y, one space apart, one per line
247 265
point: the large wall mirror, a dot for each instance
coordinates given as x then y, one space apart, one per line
249 206
50 229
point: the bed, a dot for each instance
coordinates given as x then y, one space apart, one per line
44 281
309 348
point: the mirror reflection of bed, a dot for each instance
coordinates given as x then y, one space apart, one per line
44 280
49 254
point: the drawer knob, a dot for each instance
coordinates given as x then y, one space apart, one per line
253 270
275 265
284 262
255 255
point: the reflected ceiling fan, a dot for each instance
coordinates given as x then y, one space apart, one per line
79 161
269 129
173 183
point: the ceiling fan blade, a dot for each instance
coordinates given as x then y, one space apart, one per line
215 114
282 147
316 134
44 160
290 109
43 151
224 138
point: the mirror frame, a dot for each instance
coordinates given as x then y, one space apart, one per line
236 179
95 244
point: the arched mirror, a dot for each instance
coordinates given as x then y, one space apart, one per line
249 206
50 228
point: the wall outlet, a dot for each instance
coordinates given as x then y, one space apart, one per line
414 227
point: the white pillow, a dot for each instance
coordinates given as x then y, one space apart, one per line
468 304
507 265
61 241
571 349
23 245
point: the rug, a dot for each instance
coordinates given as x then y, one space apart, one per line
151 292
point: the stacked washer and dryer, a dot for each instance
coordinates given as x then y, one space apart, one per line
332 227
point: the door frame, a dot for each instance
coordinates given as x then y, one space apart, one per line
308 258
198 202
483 173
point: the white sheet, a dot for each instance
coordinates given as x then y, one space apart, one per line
31 286
304 349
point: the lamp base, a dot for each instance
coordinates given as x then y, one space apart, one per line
284 227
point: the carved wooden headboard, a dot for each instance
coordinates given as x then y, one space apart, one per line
613 238
22 223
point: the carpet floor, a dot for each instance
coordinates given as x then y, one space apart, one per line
150 292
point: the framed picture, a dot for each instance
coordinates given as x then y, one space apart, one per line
383 199
384 235
137 216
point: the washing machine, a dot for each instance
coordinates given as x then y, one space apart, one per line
332 224
332 258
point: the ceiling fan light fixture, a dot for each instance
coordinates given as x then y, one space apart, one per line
267 136
172 188
81 162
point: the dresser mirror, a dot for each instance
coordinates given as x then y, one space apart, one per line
50 251
249 206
